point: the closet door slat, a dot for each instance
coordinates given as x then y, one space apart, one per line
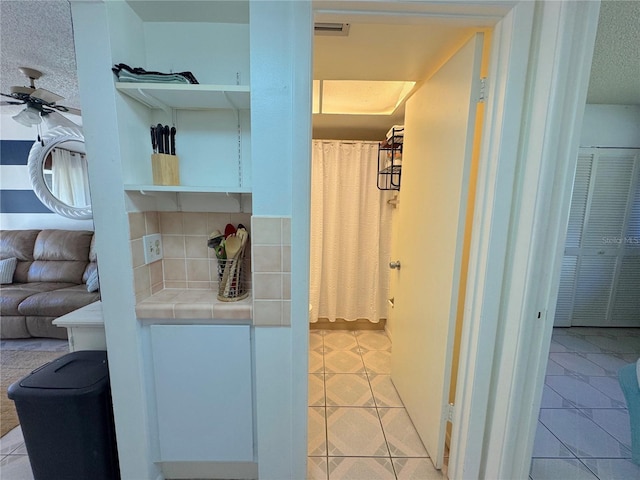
593 290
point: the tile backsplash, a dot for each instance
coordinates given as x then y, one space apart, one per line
271 266
187 261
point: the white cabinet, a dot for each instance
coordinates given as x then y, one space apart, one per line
600 279
202 376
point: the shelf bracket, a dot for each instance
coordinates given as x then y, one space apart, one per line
155 103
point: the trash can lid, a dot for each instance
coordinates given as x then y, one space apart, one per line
72 371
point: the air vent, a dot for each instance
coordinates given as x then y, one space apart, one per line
337 29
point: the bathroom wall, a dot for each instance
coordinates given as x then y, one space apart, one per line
187 261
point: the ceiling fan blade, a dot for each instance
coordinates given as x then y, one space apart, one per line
18 101
11 103
74 111
46 96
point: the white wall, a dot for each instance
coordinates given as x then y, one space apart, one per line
611 126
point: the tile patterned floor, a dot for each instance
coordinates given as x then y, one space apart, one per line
583 427
358 427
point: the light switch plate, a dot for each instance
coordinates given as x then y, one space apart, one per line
152 248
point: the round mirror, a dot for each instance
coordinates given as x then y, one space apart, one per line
58 172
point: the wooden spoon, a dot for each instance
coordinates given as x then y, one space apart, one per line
233 246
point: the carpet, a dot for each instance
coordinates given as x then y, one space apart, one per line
15 365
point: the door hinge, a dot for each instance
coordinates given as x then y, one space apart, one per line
483 90
450 411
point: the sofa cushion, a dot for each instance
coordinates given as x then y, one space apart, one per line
60 256
14 327
44 327
18 244
7 269
12 295
56 303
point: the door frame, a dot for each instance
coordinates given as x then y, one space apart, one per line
540 65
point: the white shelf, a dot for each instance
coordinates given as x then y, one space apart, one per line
188 96
184 189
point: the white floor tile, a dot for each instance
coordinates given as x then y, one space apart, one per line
615 421
15 467
616 344
611 362
12 440
343 361
316 390
360 468
555 346
574 343
355 432
374 340
554 368
402 437
316 433
610 386
579 392
582 436
340 340
348 390
613 469
377 361
384 392
551 399
416 469
317 468
546 445
574 363
560 469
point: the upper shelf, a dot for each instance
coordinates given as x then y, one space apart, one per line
188 96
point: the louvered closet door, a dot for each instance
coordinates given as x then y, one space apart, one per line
600 277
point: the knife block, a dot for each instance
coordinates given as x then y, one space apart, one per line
165 169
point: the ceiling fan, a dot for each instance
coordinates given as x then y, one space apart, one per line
39 102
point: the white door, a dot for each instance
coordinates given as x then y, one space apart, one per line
439 128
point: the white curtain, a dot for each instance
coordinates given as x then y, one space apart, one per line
350 233
70 178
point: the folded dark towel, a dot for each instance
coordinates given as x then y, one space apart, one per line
141 71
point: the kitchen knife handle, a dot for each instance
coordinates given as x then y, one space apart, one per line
159 131
173 140
154 145
166 139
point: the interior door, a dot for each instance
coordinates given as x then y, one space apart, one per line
439 129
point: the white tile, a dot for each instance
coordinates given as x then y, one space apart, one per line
554 369
12 440
560 469
340 340
316 390
610 362
348 390
377 361
615 421
551 399
416 469
556 347
613 469
582 436
547 445
316 468
610 386
575 363
15 467
355 432
317 432
373 340
384 393
343 361
402 438
574 343
360 468
616 344
316 362
579 392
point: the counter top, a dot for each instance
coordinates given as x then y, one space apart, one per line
87 316
193 304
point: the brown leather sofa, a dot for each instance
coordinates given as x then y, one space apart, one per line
50 278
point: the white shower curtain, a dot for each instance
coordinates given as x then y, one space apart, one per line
350 233
70 178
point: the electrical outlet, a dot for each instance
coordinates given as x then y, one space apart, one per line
152 248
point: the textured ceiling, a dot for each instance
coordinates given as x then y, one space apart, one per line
38 34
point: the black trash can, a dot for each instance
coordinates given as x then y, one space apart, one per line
66 416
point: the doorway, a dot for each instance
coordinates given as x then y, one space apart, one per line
322 127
